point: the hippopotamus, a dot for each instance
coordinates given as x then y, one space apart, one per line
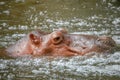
60 43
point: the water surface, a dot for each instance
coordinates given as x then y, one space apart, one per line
97 17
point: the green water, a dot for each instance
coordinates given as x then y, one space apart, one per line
98 17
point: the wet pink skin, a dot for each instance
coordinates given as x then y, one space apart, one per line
26 45
60 43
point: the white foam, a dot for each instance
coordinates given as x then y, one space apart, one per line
2 3
6 12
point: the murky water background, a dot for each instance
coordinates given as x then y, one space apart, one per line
99 17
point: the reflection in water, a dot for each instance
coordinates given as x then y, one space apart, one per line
99 17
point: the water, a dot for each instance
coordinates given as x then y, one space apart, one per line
99 17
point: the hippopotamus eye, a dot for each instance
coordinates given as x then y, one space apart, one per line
57 40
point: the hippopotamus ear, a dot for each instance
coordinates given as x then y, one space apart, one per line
34 39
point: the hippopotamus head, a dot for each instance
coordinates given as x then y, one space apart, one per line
60 43
54 44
